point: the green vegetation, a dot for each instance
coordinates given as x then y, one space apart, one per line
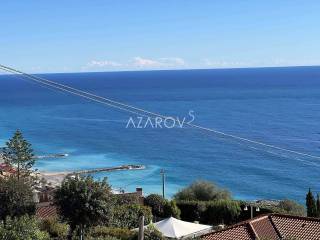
18 153
126 216
16 198
202 191
56 229
291 207
108 232
125 199
312 204
151 233
222 211
88 210
162 208
23 228
83 202
170 209
210 212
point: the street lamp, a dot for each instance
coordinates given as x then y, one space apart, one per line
251 209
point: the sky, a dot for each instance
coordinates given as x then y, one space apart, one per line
93 35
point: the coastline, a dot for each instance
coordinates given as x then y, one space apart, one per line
56 178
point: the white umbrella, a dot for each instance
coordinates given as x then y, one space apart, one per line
175 228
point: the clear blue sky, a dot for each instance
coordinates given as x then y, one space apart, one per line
71 36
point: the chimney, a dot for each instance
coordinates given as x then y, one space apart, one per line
139 191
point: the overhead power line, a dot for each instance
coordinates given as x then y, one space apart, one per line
139 111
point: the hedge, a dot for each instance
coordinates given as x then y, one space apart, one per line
210 212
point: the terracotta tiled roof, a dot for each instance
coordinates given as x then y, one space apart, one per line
264 228
271 227
46 210
239 232
297 227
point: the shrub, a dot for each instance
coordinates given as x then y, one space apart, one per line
211 212
56 230
202 191
23 228
107 232
170 209
291 207
162 207
126 199
16 197
127 216
191 210
151 233
156 202
222 211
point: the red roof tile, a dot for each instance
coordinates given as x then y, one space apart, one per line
46 210
297 227
264 228
271 227
239 232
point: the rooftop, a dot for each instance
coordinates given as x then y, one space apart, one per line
271 227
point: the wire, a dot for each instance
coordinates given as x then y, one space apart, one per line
140 111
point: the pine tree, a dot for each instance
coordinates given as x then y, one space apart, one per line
19 154
311 204
318 206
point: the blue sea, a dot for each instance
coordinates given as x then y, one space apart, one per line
276 106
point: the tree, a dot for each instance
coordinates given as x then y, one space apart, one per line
161 207
156 202
291 207
311 204
83 202
16 198
18 153
170 209
318 206
202 191
23 228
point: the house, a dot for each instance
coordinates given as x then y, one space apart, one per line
271 227
138 195
6 170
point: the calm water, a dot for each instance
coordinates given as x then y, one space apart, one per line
278 106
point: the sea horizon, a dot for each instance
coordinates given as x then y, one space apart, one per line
173 69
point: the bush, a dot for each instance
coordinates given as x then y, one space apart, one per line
126 199
127 216
56 230
210 212
161 207
156 202
107 232
151 233
222 211
16 197
202 191
191 210
102 238
23 228
291 207
284 207
170 209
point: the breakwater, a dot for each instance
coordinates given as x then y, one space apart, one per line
109 169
